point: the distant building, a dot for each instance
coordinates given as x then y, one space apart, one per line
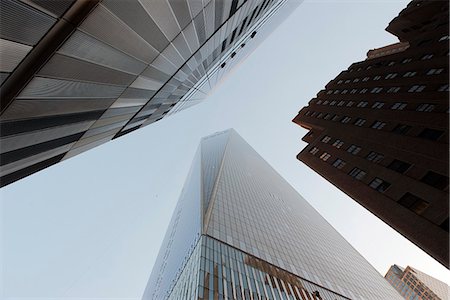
240 231
77 74
413 284
379 131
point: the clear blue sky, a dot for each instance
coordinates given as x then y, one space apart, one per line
91 227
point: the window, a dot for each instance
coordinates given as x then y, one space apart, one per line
425 107
443 88
319 115
333 102
336 91
409 74
369 67
313 114
341 103
378 125
401 129
340 81
353 91
346 120
339 163
325 102
406 60
416 88
350 103
431 134
427 56
435 71
329 92
366 78
378 77
338 143
353 149
376 90
335 118
436 180
379 184
399 166
362 104
390 76
318 101
444 38
413 203
393 89
326 139
378 105
327 117
314 150
344 92
325 156
390 64
363 91
374 157
357 173
399 105
307 113
360 122
356 80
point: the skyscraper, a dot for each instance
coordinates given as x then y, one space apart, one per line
76 74
240 231
379 130
414 284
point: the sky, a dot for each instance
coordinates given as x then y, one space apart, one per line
91 227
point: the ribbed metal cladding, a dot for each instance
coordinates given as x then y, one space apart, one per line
41 87
57 7
75 69
22 23
11 54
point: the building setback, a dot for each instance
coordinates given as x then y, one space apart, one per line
379 130
75 74
240 231
413 284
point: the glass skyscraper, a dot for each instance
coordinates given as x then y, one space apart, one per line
240 231
76 74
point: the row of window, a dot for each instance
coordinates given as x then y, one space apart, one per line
431 178
391 76
424 107
402 129
417 88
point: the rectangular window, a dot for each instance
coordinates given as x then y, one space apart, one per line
325 156
376 90
326 139
360 122
427 56
394 89
443 88
435 71
375 157
362 104
350 103
378 125
338 143
431 134
353 149
353 91
335 118
399 105
409 74
363 91
426 107
401 129
356 80
357 173
378 77
341 103
413 203
390 76
378 105
339 163
314 150
436 180
406 60
366 79
399 166
346 120
333 102
416 88
379 184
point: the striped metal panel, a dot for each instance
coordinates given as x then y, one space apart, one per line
75 69
11 54
22 23
57 7
3 76
86 47
105 26
41 87
161 12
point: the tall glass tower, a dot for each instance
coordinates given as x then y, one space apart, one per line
240 231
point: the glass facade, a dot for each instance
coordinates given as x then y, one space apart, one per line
259 237
124 65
